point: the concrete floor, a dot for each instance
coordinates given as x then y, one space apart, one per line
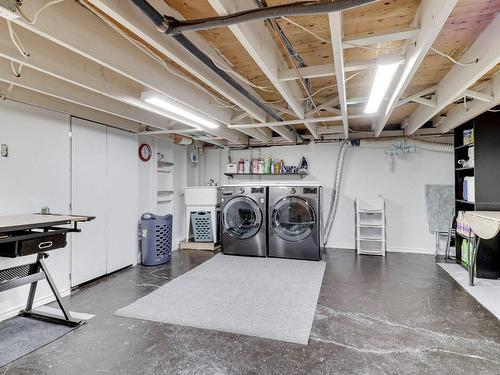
397 315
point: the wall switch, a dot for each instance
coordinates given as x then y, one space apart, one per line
4 150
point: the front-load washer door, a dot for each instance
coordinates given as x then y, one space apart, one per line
242 218
293 219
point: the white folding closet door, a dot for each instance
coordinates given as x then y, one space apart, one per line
122 199
89 197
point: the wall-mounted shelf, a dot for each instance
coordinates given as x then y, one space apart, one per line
301 175
464 146
164 201
163 164
464 201
486 181
163 193
164 171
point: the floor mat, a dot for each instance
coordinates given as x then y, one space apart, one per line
263 297
485 291
20 336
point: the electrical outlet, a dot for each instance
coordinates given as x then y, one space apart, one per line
4 150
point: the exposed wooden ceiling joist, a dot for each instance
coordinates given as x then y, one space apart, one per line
458 115
22 95
259 43
91 38
486 49
408 33
132 19
36 81
419 94
295 122
432 16
327 70
335 19
77 29
86 74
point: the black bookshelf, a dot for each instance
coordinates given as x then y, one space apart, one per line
486 172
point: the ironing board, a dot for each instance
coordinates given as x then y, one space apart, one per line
24 235
484 225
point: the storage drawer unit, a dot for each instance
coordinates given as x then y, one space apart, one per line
31 246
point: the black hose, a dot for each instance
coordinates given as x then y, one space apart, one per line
175 26
158 19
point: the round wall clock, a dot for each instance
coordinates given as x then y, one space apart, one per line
145 152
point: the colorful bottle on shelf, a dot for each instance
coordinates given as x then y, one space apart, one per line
246 167
267 165
277 166
260 167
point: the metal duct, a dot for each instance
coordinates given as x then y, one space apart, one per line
174 26
158 20
335 194
425 145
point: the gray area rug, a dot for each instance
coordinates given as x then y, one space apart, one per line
262 297
20 336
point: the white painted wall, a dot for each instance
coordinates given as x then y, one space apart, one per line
150 181
367 173
36 174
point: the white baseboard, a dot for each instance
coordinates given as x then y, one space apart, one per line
341 246
13 311
410 250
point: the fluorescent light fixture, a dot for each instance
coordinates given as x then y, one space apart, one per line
387 66
190 116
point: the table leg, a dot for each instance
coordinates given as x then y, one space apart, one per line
40 266
472 259
35 268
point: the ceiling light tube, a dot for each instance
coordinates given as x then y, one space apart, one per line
387 66
192 118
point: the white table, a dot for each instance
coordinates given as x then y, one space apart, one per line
484 225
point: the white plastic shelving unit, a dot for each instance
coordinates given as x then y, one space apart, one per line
370 228
164 193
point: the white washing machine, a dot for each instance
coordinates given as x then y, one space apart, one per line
294 229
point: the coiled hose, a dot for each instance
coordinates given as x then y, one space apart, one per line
332 210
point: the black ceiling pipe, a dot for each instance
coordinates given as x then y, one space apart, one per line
303 8
158 20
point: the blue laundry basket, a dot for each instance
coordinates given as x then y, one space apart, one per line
156 239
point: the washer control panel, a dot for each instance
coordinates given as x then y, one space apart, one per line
310 190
